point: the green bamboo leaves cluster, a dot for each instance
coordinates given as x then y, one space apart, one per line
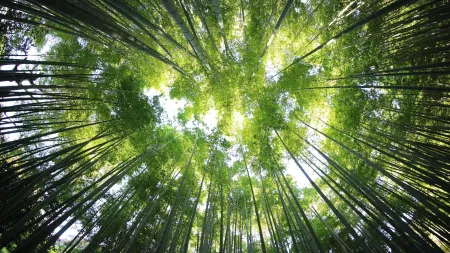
332 130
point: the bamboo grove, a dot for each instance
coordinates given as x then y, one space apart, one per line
332 129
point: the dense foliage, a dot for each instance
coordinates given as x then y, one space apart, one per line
224 126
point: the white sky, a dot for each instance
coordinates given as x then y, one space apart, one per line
172 107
